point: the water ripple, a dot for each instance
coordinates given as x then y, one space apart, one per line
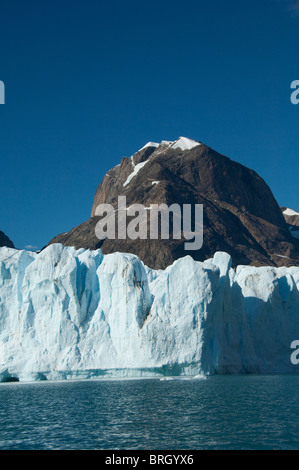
223 412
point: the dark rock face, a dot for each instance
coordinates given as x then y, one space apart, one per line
5 241
241 215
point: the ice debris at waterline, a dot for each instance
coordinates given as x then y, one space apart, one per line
67 313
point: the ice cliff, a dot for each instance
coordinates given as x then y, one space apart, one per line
79 314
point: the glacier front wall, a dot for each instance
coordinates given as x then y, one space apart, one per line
67 313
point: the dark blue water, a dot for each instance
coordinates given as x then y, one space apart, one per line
223 412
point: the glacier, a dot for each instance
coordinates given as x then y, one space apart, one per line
78 314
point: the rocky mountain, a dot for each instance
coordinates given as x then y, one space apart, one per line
241 215
5 241
292 219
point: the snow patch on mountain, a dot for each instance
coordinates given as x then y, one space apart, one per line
182 143
136 170
290 212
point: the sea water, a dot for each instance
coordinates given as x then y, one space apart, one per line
221 412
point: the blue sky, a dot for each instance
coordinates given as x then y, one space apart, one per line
90 81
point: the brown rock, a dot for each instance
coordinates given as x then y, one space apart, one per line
241 215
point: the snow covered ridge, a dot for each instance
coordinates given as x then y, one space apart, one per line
67 314
290 212
183 143
294 231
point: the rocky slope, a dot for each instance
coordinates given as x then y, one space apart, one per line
5 241
241 215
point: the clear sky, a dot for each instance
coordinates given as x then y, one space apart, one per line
90 81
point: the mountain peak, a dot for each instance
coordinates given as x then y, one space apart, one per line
150 144
182 143
290 212
241 215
